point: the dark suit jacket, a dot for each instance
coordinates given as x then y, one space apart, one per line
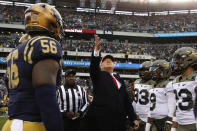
108 100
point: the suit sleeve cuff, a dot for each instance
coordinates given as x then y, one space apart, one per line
96 53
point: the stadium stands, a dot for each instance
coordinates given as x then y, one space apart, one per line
126 23
159 51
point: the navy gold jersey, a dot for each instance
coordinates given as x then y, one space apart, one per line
21 61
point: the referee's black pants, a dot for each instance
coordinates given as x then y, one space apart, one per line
71 125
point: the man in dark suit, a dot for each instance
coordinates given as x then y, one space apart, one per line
111 102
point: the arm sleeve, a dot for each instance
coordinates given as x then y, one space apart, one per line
171 103
195 109
149 114
58 97
171 98
85 101
95 67
96 53
129 107
134 105
169 87
49 109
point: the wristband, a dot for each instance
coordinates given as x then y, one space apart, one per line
173 129
147 128
174 119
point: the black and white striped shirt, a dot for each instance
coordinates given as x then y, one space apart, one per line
72 99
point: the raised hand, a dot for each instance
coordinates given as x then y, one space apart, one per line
97 42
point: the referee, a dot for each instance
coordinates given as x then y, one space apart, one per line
72 101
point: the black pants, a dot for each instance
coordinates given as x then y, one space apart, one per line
71 125
160 123
102 124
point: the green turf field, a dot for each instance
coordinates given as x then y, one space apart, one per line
2 122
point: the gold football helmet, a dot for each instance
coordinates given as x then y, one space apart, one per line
42 17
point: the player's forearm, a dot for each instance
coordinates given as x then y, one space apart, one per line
49 109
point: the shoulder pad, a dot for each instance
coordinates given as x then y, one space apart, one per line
42 47
177 79
137 81
191 77
162 84
151 82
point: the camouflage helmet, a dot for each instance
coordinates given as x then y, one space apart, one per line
160 69
144 72
184 57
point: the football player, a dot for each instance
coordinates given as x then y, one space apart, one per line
161 108
33 69
185 88
141 93
169 87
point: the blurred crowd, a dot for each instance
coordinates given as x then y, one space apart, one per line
11 14
9 40
6 41
131 23
112 22
160 51
3 95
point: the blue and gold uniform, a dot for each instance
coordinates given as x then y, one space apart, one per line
22 104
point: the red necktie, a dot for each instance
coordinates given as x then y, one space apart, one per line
115 81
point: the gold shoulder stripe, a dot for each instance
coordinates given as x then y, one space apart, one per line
9 56
31 50
31 45
25 50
